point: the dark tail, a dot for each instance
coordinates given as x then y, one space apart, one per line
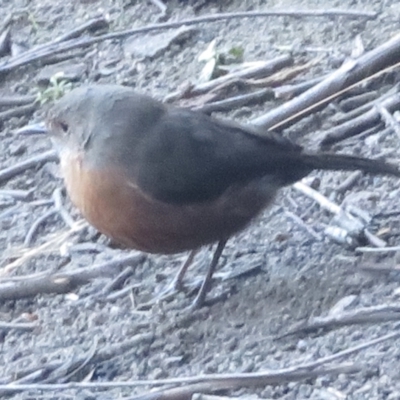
329 161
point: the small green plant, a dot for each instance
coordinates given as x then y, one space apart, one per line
57 87
32 20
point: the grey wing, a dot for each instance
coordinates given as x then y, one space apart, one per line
189 157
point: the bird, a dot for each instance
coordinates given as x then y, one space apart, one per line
163 179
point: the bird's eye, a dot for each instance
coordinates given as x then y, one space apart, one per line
63 126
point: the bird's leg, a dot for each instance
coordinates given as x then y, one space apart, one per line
176 284
201 295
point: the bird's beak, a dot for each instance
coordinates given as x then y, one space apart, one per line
33 129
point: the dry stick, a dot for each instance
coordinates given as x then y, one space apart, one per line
261 69
91 25
64 282
388 118
351 222
118 281
301 223
380 268
284 75
160 5
10 172
212 382
289 91
22 195
104 353
200 396
359 124
66 372
53 243
33 377
187 392
60 47
58 204
318 197
378 250
17 326
255 97
12 101
364 108
122 292
366 315
236 101
36 225
88 25
18 112
359 100
6 22
349 182
351 73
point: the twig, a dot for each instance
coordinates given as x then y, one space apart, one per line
162 7
349 182
350 224
35 226
12 101
6 22
210 383
301 223
388 118
261 69
103 353
91 25
366 315
267 93
57 197
22 195
356 112
380 268
118 281
54 242
358 100
217 381
10 172
17 326
378 250
358 124
123 292
18 111
63 282
67 371
236 101
318 197
43 51
187 392
285 74
288 91
351 73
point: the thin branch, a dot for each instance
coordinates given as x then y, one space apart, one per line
64 282
365 315
19 111
17 100
44 51
219 381
17 326
36 225
351 73
10 172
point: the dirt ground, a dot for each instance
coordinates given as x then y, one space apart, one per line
293 274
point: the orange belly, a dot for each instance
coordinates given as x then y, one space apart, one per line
119 209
